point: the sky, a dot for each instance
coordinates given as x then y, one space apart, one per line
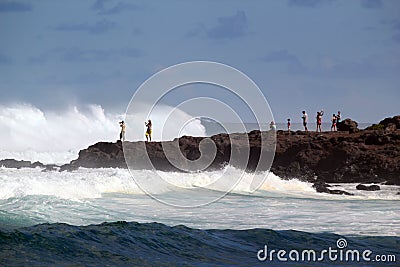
303 54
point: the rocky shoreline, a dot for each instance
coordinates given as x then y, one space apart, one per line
348 156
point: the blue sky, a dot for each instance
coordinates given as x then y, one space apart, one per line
303 54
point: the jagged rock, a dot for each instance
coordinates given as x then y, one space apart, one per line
322 187
373 187
332 157
69 167
37 164
348 125
391 127
12 163
388 124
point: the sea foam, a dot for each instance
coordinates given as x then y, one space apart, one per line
30 133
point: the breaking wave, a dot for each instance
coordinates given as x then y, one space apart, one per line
30 133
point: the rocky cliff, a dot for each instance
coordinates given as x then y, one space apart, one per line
362 156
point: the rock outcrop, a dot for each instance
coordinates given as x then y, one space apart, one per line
388 124
12 163
322 187
350 156
364 156
18 164
100 155
348 125
373 187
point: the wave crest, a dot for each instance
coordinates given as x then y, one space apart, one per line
29 133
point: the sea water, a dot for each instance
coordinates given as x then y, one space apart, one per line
92 196
103 212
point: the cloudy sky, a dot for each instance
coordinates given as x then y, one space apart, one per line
303 54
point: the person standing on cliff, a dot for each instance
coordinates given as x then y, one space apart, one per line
334 121
319 120
149 130
288 125
305 119
272 126
122 133
338 117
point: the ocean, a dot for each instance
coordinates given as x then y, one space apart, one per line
99 217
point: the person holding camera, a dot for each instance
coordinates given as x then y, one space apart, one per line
122 133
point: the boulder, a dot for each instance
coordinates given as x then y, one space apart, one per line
373 187
391 127
393 122
322 187
387 124
348 125
12 163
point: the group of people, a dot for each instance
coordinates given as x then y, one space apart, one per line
335 120
148 133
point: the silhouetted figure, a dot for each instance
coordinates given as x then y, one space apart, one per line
319 120
334 121
149 130
122 133
272 126
288 125
305 120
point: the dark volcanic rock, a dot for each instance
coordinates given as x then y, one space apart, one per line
18 164
373 187
322 187
391 121
100 155
388 124
332 157
12 163
348 125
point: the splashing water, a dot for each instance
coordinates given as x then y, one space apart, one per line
29 133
